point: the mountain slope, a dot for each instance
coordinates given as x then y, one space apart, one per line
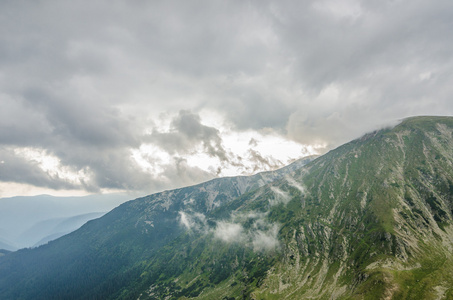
371 219
104 255
376 219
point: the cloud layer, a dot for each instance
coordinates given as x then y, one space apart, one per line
143 96
260 235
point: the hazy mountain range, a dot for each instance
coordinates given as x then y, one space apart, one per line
30 221
371 219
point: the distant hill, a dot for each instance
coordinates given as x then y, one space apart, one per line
6 245
4 252
45 231
372 219
19 215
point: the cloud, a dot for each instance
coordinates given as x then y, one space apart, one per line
279 196
346 117
14 168
186 134
259 234
361 67
263 163
193 221
229 232
316 72
294 184
185 220
179 173
259 240
266 240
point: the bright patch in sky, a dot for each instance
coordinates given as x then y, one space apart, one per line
250 151
51 165
151 159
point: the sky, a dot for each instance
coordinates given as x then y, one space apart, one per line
143 96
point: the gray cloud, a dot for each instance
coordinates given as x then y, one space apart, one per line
83 122
186 133
262 163
179 173
20 170
388 61
84 81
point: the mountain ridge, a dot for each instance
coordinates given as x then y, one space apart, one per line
137 214
371 219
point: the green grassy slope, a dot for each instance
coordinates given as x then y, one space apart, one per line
376 219
369 220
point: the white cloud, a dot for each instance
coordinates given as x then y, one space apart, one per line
185 220
52 165
261 235
266 240
279 196
295 184
193 221
229 232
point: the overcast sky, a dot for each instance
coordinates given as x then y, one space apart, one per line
141 96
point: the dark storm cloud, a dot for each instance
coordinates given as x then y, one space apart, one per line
84 80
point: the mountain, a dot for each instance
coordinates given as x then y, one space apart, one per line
48 230
21 214
111 247
371 219
6 245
